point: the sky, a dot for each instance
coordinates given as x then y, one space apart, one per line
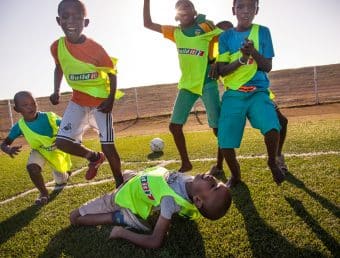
304 33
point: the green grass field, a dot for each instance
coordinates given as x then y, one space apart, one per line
298 219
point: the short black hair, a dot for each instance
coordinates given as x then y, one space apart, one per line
77 2
179 2
21 94
255 1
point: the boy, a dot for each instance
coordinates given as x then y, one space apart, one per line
39 130
150 189
245 58
192 37
226 25
91 73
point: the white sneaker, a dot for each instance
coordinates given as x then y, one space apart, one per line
126 218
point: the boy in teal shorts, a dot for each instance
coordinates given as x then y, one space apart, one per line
39 130
194 40
245 58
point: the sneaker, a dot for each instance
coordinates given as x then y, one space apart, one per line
93 167
41 200
125 217
280 161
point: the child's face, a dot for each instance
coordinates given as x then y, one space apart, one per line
27 107
245 11
207 187
185 14
72 20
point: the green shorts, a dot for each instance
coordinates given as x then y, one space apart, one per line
185 101
237 107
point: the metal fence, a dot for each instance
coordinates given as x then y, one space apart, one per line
293 87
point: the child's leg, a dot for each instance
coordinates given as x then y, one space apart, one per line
216 169
75 120
283 132
272 139
234 166
212 104
262 115
60 178
90 219
178 135
182 107
114 161
34 167
96 212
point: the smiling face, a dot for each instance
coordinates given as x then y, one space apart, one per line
245 11
185 13
72 20
26 105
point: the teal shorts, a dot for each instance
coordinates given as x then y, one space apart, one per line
185 101
237 107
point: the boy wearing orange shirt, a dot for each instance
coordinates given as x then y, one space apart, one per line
90 72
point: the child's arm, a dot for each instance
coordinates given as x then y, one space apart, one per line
58 75
11 151
147 18
154 240
107 105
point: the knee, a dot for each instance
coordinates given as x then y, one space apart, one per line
175 128
74 215
33 168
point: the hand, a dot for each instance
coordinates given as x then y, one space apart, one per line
54 98
106 106
248 47
116 232
213 73
12 151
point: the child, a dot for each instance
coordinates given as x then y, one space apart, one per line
245 58
226 25
39 130
153 188
193 39
91 73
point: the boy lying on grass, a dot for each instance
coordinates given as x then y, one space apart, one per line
154 188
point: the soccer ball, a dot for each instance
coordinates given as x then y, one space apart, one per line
157 145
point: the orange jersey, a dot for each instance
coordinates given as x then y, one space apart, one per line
88 52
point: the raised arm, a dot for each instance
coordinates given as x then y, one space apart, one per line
147 18
154 240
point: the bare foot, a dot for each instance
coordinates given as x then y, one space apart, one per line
233 181
216 171
277 174
185 167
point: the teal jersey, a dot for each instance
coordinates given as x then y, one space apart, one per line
40 126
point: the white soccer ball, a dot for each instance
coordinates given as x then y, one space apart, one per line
156 145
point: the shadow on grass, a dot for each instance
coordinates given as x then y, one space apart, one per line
14 224
264 240
322 200
183 240
155 155
327 239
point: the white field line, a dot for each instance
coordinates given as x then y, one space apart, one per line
50 185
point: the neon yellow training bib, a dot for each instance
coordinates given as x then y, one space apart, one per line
244 73
85 77
147 189
193 54
45 145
